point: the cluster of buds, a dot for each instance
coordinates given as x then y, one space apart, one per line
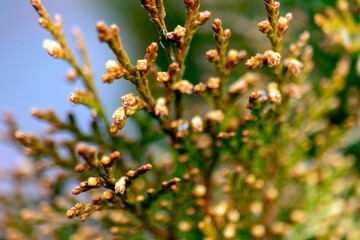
161 109
220 34
197 124
143 65
340 26
264 26
296 48
83 96
81 210
255 62
202 17
234 57
178 33
120 185
293 91
200 89
213 83
183 86
166 77
274 93
48 115
85 186
216 116
108 160
293 65
131 103
54 48
242 84
114 71
283 24
270 57
212 55
71 75
171 182
180 126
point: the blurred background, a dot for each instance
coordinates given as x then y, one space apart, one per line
29 77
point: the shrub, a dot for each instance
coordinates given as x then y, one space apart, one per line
263 157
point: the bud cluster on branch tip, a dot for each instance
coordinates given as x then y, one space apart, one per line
54 48
213 83
274 93
114 71
234 57
202 17
71 75
89 154
161 109
109 160
296 48
197 124
293 65
130 104
81 210
120 185
200 89
178 33
212 55
163 76
264 26
283 24
91 183
171 182
180 126
255 62
241 85
216 116
183 86
141 170
272 58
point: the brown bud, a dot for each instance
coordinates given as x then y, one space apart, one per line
140 198
97 200
197 124
215 116
81 167
163 76
71 213
142 65
213 83
216 25
131 173
150 191
120 185
108 195
179 31
212 55
264 26
202 17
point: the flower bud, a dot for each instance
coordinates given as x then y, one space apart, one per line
213 83
120 185
142 65
179 31
215 116
197 124
161 109
272 58
163 77
202 17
